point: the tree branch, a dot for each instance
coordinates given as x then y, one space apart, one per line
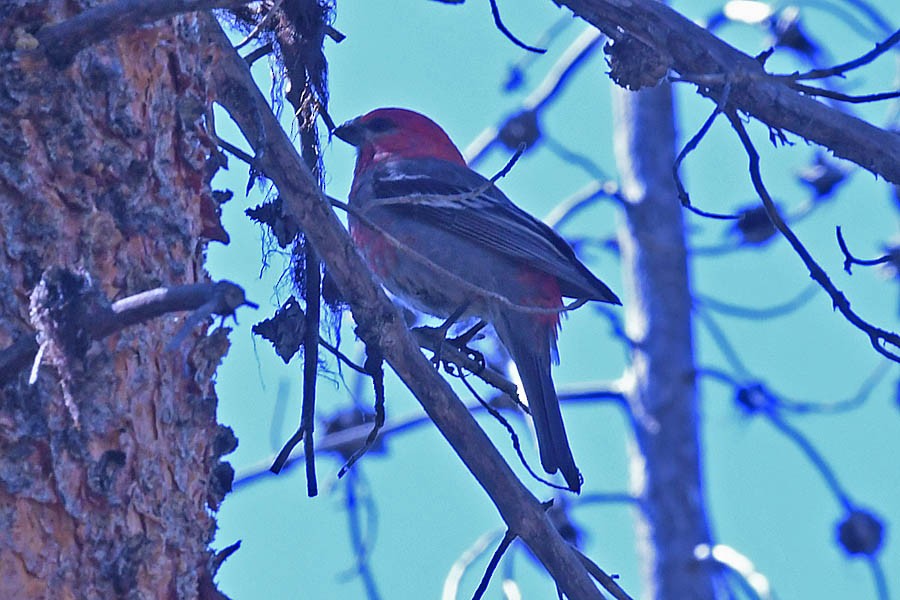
881 339
221 298
700 57
381 323
62 41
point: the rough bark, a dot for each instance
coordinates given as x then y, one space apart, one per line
665 461
109 462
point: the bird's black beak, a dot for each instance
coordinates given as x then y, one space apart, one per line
351 132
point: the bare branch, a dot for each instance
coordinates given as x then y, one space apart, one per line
700 57
877 336
362 543
517 70
853 64
258 28
498 21
508 538
546 91
850 260
581 199
881 588
841 97
62 41
375 368
379 322
689 147
513 436
766 312
465 560
814 456
353 437
608 583
221 298
341 356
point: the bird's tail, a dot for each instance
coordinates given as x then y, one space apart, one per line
529 343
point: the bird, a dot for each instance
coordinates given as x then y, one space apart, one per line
446 241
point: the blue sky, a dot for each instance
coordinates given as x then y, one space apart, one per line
764 497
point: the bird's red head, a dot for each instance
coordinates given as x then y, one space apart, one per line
396 133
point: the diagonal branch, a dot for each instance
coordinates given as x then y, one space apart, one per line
699 56
865 59
379 322
880 339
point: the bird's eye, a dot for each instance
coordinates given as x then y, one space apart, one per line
379 125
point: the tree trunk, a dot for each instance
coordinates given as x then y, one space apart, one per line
665 462
109 462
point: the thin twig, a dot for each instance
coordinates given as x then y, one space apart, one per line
341 356
814 457
877 337
461 565
841 97
689 147
285 453
312 285
509 165
865 59
850 260
514 437
517 70
498 21
767 312
787 405
581 199
544 93
578 159
361 544
839 406
881 586
258 53
375 368
751 580
508 538
229 147
721 340
259 26
608 583
610 498
357 434
865 7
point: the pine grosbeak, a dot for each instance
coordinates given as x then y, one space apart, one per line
493 260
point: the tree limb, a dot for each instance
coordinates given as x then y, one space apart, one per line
700 57
380 322
221 298
62 41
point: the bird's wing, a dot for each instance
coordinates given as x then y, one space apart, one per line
461 201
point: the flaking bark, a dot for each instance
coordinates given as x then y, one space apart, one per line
109 463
